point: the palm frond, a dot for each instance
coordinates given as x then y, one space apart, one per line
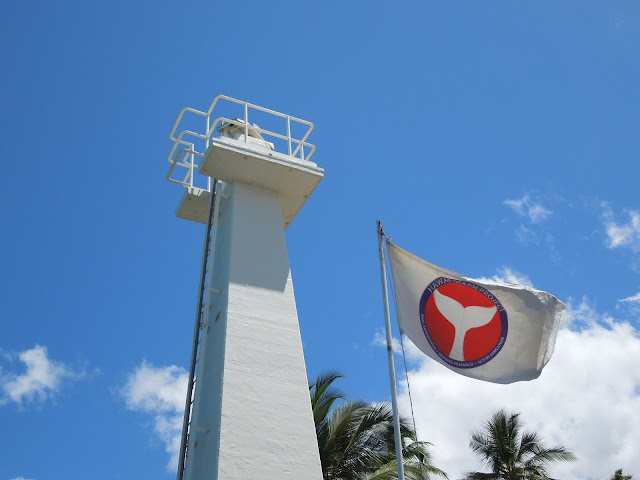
510 454
356 439
481 476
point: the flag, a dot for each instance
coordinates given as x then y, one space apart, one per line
499 333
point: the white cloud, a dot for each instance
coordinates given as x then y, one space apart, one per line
625 233
633 299
22 478
527 236
380 340
411 351
41 380
507 275
632 303
160 391
587 399
528 208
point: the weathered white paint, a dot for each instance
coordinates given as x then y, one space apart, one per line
234 161
194 205
252 415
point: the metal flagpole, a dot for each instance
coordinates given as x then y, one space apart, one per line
392 369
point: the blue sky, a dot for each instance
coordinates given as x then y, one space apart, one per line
492 138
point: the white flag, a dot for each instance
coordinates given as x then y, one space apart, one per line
493 332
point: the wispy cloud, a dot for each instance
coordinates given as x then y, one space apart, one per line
411 351
507 275
535 212
625 233
633 299
22 478
41 380
380 340
527 236
632 303
160 392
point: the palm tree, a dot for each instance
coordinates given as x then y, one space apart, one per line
512 455
356 440
618 475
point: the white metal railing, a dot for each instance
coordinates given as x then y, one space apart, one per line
185 157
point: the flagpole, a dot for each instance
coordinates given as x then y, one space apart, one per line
392 369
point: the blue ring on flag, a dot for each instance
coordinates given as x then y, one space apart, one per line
432 287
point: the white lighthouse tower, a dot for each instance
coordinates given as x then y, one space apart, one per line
248 413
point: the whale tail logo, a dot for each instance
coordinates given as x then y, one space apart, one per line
463 319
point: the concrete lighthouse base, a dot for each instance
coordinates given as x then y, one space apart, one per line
251 416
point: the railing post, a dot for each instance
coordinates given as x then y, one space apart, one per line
206 140
246 122
289 132
193 155
302 152
206 147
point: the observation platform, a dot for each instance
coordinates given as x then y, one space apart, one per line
232 161
242 153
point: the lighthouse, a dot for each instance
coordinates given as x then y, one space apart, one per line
247 410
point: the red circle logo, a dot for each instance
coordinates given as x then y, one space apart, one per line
464 323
